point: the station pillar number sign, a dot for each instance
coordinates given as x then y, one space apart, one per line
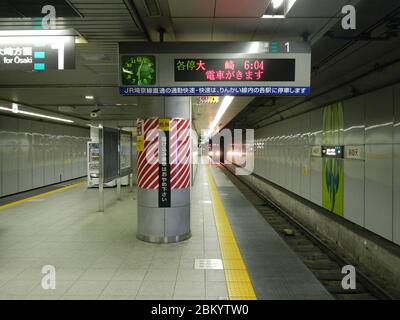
37 53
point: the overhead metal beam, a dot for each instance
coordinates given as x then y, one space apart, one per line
134 12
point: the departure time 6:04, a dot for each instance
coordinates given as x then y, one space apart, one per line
253 65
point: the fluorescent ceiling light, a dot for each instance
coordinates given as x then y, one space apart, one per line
254 47
89 97
30 39
273 16
41 32
24 36
222 108
80 40
37 115
277 3
278 9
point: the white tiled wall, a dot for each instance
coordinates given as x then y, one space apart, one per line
371 185
396 166
35 153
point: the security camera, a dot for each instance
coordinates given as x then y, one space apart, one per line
95 113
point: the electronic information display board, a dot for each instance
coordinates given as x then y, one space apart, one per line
188 70
215 68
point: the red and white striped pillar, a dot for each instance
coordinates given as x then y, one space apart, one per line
163 173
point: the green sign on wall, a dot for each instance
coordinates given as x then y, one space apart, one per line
332 167
138 70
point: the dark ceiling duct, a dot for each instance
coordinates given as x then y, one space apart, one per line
152 8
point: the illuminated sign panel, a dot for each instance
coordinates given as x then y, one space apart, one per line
276 68
189 70
332 151
37 53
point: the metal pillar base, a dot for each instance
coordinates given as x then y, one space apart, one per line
171 239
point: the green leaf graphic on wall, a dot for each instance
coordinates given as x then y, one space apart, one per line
332 168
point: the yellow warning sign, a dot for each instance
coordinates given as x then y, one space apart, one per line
305 170
140 143
163 124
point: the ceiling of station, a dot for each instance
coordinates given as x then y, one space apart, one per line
104 23
344 64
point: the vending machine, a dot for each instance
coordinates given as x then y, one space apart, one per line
93 152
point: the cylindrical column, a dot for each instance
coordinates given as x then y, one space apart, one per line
163 173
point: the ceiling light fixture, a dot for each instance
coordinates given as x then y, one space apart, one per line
254 47
80 39
89 97
33 33
273 16
25 35
277 3
278 9
223 107
36 115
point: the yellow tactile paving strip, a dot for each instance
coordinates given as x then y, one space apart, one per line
237 279
42 195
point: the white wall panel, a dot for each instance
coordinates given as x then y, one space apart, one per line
316 181
316 127
58 149
25 175
9 169
49 159
354 121
9 163
83 167
379 116
378 189
354 191
396 194
396 166
75 157
296 169
67 157
38 166
27 153
37 154
305 174
25 168
396 134
2 132
371 186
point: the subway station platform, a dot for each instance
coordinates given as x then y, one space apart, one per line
233 252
